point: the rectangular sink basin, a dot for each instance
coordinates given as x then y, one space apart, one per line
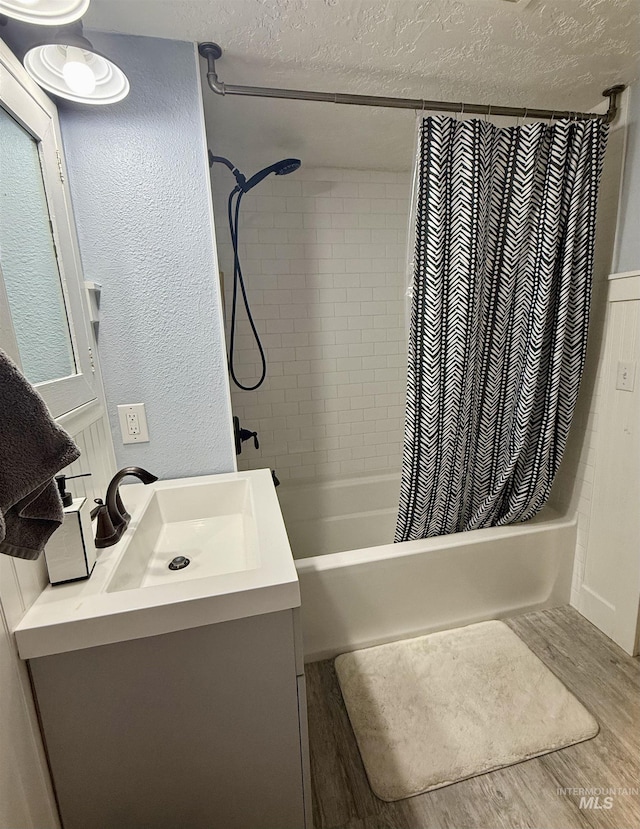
206 529
228 526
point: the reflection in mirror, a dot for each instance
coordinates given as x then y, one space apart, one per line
28 262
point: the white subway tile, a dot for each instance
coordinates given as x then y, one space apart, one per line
360 295
281 382
296 367
279 325
327 291
339 454
352 467
338 429
287 220
323 392
398 191
355 236
372 190
339 404
358 206
344 220
351 416
316 220
330 236
270 236
323 365
277 297
324 418
327 470
375 221
255 219
320 444
268 204
349 337
315 188
287 251
323 338
347 309
349 363
293 311
329 205
297 394
301 236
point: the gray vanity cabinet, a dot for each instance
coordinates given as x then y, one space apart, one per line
201 729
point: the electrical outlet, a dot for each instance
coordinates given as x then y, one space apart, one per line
625 378
133 423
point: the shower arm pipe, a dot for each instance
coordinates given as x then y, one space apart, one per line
212 52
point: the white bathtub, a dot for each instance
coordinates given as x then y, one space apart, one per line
359 589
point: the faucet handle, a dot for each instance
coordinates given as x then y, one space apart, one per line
106 533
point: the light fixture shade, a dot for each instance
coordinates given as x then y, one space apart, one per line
49 66
44 12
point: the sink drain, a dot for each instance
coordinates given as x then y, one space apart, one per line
179 563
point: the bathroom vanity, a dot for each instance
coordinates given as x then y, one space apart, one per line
177 698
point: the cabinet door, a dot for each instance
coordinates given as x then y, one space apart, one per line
42 315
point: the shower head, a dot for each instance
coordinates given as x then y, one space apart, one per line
287 165
280 168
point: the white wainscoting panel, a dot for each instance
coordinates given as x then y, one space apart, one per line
25 787
610 591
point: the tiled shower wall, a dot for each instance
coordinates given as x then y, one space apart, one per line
324 260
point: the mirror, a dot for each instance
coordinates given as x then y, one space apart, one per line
28 261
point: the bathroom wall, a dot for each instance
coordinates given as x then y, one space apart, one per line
573 487
141 196
324 260
628 245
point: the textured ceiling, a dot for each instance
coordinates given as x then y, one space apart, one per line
530 53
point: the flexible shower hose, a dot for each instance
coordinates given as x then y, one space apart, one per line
238 280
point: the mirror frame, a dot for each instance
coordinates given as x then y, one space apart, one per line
27 104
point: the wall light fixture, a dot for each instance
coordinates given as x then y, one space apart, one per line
67 65
44 12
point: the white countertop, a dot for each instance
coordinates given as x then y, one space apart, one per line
87 614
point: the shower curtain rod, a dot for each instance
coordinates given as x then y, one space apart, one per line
212 52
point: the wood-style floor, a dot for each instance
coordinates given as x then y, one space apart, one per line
524 796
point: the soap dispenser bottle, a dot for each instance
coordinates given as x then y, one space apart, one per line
70 553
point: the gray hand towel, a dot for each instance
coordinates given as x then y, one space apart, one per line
33 448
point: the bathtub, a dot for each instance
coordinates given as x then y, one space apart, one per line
359 589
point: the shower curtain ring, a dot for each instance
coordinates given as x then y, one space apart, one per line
487 113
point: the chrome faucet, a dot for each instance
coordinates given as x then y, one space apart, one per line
113 518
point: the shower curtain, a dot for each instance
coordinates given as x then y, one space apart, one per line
503 260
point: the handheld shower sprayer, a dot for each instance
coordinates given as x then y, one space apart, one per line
280 168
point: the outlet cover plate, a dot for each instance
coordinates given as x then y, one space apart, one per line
133 423
626 375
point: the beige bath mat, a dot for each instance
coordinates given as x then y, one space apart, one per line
434 710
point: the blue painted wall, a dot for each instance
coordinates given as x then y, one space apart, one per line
139 180
628 256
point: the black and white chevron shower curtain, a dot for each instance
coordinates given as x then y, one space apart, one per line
505 225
